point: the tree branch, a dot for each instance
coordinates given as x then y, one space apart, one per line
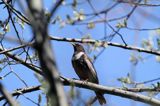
7 96
91 41
122 92
18 59
112 91
39 23
142 98
104 43
21 91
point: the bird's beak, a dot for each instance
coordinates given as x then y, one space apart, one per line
72 43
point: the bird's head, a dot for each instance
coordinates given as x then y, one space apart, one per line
77 47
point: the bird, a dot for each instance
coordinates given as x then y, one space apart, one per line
85 69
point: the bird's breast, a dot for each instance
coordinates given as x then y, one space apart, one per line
80 69
77 56
84 68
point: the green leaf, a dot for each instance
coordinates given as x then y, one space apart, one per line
70 20
2 33
147 44
44 85
7 28
79 15
133 59
72 92
87 36
47 14
158 31
158 59
22 23
90 25
126 80
122 24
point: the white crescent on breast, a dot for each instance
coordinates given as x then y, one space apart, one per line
78 55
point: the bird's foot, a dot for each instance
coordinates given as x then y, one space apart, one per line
85 81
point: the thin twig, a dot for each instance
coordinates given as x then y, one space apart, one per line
7 96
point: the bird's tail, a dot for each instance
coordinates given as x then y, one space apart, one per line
100 98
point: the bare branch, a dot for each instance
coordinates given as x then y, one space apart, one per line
7 96
16 58
104 43
137 3
58 3
15 48
126 93
91 41
113 91
23 91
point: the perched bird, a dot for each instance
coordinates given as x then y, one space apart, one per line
84 69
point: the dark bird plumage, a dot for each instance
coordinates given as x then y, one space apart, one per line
84 69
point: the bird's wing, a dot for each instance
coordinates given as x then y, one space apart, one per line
91 70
